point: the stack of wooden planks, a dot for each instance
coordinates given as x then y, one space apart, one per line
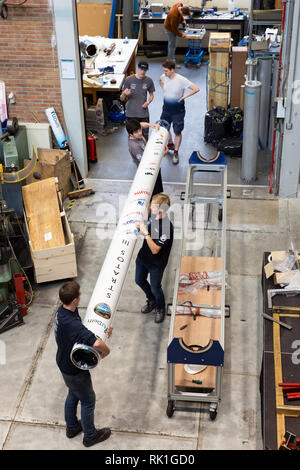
218 71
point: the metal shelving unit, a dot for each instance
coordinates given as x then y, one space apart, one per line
196 336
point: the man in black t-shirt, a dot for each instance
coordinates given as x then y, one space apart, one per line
68 330
135 93
153 256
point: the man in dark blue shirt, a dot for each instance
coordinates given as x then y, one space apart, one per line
68 330
153 256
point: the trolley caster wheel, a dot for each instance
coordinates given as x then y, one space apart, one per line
170 408
220 215
212 414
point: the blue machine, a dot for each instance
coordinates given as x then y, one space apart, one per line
194 55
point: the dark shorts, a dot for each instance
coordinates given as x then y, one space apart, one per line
174 116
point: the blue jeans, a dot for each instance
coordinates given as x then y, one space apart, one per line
80 389
171 44
153 290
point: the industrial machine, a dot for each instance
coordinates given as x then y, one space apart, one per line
199 11
12 276
145 9
9 146
195 53
12 308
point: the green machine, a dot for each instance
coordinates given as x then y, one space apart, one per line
10 153
13 151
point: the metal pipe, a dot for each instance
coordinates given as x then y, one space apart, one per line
128 18
107 291
283 25
250 129
88 48
250 28
251 68
264 76
272 106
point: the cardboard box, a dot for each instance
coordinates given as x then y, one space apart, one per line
276 257
260 45
238 71
284 278
53 163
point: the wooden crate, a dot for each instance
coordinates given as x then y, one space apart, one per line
53 255
218 79
56 163
218 70
219 42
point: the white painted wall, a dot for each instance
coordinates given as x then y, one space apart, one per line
71 88
221 4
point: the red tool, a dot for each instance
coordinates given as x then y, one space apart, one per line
293 396
92 149
290 387
290 442
20 292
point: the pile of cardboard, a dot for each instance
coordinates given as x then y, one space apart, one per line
53 163
238 72
284 268
96 116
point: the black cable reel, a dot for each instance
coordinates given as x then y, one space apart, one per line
3 9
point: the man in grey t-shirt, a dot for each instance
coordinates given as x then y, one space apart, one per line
135 92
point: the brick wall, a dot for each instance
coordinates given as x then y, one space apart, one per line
28 60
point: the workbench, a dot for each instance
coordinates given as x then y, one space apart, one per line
124 64
278 365
153 30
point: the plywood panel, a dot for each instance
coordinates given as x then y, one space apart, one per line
43 214
93 19
199 330
183 379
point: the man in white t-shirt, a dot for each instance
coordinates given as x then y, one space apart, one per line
174 87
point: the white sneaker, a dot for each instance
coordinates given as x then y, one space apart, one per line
175 158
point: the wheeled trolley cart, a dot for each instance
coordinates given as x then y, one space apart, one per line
195 352
195 53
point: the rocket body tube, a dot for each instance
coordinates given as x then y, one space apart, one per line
107 291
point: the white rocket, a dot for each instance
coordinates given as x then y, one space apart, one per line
107 291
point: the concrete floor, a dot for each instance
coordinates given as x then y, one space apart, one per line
131 383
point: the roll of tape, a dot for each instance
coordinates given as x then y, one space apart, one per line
12 126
